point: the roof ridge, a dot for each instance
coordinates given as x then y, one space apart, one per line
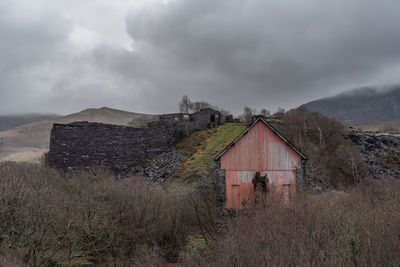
271 127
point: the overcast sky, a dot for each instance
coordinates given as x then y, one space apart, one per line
63 56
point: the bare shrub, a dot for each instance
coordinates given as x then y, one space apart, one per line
332 158
49 218
202 209
360 228
10 261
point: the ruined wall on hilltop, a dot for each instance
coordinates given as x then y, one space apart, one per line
203 119
83 144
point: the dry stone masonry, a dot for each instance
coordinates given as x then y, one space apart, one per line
120 148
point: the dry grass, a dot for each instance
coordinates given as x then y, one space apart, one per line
392 127
28 154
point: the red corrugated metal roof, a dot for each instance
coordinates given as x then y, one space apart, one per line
248 128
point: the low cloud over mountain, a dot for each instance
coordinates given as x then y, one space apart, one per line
363 104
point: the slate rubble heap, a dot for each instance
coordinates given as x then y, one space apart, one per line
381 152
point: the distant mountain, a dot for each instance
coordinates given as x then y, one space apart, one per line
35 137
361 105
11 121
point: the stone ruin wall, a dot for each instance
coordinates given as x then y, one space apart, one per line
84 144
203 119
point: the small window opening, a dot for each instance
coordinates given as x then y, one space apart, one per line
212 117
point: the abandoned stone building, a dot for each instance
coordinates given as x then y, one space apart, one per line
260 158
203 119
85 144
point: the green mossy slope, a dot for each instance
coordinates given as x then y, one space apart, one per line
203 146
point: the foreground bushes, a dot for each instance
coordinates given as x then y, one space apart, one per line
356 228
49 219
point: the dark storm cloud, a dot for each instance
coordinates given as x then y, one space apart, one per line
268 52
228 52
28 49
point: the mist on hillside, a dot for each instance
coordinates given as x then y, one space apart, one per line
361 104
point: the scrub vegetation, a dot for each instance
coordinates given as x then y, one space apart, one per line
333 159
93 217
359 227
52 219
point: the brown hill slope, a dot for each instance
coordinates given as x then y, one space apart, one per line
28 141
11 121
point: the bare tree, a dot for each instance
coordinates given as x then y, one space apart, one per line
265 112
248 114
185 105
279 113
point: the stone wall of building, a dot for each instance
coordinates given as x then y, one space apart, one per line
186 123
208 118
83 144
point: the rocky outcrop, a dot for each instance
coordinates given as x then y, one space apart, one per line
381 152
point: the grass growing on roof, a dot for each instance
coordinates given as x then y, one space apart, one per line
203 146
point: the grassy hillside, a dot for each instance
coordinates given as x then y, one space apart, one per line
202 146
